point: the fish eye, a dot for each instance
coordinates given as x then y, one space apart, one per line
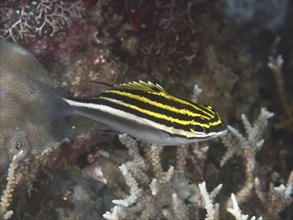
197 128
18 146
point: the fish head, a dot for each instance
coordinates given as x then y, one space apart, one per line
209 126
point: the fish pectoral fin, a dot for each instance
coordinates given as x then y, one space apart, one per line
109 131
104 128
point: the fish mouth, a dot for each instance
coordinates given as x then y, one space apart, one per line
221 133
218 130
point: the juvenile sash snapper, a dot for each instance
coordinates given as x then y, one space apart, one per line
147 112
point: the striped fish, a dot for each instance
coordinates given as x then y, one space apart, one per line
147 112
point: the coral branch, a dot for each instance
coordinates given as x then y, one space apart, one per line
208 199
247 147
11 183
135 192
236 211
275 64
277 198
181 162
154 193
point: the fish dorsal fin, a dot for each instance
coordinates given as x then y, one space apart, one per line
141 85
94 88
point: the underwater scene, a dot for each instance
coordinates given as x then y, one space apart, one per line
146 109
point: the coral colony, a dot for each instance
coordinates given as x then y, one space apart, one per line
163 196
38 18
74 168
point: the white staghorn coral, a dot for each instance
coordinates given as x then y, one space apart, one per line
157 192
285 119
247 147
236 211
253 142
277 198
208 200
114 215
286 191
135 191
196 93
11 182
154 192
